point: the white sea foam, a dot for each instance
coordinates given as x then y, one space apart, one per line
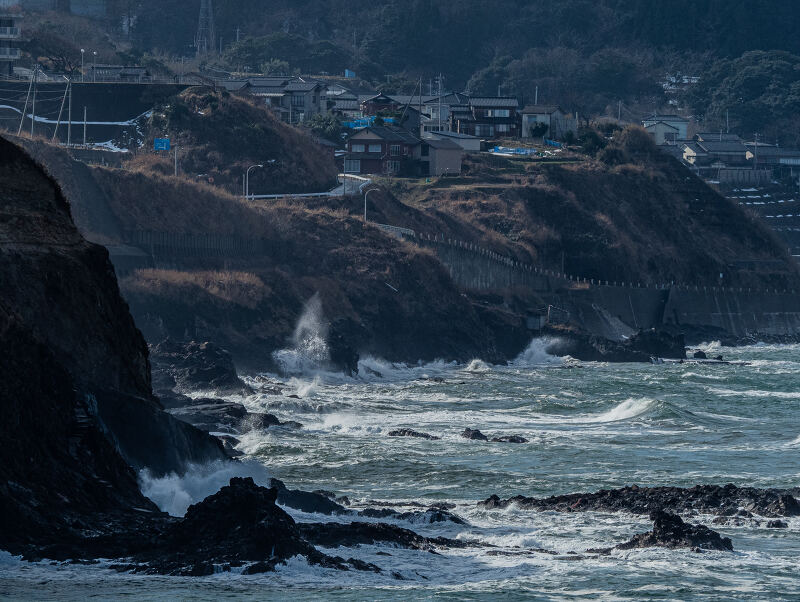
630 408
536 354
175 493
478 367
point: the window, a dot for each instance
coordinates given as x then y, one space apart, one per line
375 148
393 166
395 150
357 148
484 130
298 100
498 112
352 166
501 128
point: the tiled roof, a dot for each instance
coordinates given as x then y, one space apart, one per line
541 109
442 144
494 101
392 134
729 146
665 118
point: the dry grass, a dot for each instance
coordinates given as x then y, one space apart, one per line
238 288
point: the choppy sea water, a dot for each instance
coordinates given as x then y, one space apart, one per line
590 426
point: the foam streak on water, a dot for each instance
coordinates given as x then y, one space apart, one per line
589 426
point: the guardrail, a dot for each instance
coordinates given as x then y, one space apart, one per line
397 231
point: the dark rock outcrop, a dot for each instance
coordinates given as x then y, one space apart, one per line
474 435
357 533
705 499
670 531
306 501
75 389
196 366
641 347
406 432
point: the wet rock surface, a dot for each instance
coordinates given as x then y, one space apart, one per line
330 535
725 500
670 531
194 366
641 347
405 432
476 435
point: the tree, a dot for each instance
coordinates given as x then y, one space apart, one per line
326 126
275 67
540 129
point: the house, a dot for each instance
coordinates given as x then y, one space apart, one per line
486 117
294 99
558 123
382 150
9 38
767 155
663 133
680 125
469 144
730 153
695 154
442 155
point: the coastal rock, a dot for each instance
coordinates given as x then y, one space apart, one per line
406 432
704 499
641 347
777 524
196 366
330 535
670 531
700 355
474 435
239 523
306 501
509 439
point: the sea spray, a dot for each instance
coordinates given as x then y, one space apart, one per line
537 354
174 493
309 352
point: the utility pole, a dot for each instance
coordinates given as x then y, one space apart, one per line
84 126
176 160
25 108
755 154
536 96
619 111
33 100
727 121
61 111
69 116
440 101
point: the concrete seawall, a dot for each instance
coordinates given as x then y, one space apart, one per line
615 310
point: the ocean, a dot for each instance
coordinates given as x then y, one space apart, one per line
589 426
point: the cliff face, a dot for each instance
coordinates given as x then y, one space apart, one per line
73 370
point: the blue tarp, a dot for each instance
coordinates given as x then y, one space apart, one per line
505 150
552 143
364 122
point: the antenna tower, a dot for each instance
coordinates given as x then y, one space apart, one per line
205 39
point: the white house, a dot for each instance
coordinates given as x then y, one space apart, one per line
663 132
681 124
558 123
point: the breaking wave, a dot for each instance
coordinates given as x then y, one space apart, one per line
309 352
536 354
174 493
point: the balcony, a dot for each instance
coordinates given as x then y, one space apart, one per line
9 33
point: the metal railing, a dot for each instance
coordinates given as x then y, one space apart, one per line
9 32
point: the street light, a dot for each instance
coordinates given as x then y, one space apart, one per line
94 66
83 75
247 180
366 194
